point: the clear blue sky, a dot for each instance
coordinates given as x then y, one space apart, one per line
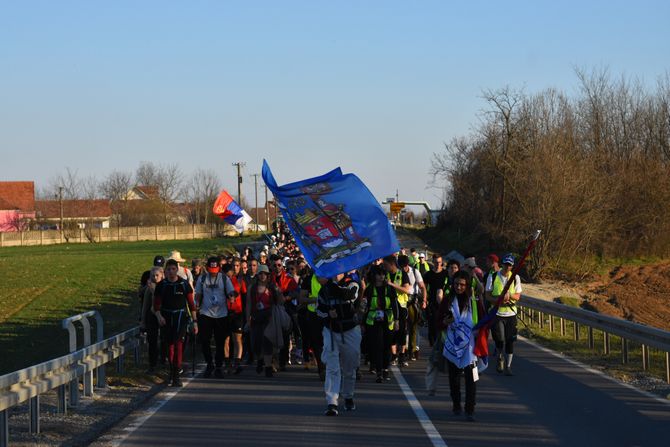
373 87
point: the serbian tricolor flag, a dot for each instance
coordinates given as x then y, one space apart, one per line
228 210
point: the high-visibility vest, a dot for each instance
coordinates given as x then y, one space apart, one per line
403 298
496 290
374 308
446 287
425 265
475 312
315 287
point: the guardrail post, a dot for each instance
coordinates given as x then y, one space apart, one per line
34 422
119 364
606 343
541 320
73 386
551 323
4 426
591 343
68 324
576 328
62 400
624 350
562 327
645 357
667 367
88 375
101 377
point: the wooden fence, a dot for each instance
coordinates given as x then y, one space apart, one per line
128 234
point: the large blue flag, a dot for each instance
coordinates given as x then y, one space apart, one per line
335 220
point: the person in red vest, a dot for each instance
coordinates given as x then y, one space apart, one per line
235 314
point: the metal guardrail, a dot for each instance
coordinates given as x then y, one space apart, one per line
628 331
64 372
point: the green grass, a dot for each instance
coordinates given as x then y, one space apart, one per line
569 301
43 285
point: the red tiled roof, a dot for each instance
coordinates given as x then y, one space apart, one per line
151 192
17 195
50 209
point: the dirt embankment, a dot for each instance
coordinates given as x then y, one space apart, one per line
636 293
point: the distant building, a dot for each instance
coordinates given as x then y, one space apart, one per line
17 205
83 213
143 192
262 218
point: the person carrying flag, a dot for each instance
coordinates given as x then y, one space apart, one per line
504 329
458 314
341 317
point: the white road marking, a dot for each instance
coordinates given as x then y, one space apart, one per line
420 413
594 371
146 414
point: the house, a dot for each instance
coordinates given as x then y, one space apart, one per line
143 192
17 205
95 213
262 217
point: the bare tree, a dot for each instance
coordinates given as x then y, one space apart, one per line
147 174
115 188
201 191
116 185
592 171
69 182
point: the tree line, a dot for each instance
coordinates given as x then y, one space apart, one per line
591 170
169 184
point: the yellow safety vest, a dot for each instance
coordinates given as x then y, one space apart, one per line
403 298
315 287
370 321
496 290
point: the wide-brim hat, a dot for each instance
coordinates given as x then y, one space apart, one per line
174 254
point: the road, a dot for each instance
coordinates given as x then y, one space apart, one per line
550 401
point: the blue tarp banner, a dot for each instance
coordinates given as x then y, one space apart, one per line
335 220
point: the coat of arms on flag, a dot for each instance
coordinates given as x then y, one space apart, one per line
335 220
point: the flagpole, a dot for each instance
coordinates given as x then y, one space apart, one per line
517 268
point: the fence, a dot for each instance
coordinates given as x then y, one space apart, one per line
546 313
128 234
64 372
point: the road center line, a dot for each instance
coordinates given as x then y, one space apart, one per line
420 413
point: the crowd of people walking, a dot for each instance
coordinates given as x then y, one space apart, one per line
268 309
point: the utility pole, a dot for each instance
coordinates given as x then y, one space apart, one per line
240 165
255 176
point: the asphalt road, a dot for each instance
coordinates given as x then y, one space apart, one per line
550 401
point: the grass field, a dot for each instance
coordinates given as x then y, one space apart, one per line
43 285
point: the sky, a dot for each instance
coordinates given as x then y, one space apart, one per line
375 87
